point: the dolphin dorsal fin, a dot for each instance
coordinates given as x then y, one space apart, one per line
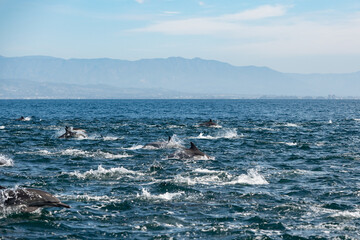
193 147
169 139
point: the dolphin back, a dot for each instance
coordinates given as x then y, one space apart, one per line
30 198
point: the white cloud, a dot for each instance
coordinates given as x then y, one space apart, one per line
140 1
257 31
261 12
214 25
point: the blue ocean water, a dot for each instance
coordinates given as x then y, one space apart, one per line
278 169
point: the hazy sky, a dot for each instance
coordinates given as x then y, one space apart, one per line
301 36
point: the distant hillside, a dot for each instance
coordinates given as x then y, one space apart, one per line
25 89
192 76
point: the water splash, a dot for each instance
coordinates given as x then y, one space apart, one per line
6 161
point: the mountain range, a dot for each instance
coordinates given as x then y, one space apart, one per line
174 77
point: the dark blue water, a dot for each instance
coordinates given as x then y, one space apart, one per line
279 169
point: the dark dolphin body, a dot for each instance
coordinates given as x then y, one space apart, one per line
209 123
73 133
157 144
29 199
191 152
20 119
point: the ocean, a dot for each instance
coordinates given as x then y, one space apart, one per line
277 169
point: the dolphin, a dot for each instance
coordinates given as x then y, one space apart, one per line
20 119
209 123
187 153
71 132
157 144
29 199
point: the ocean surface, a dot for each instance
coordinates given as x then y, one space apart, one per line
278 169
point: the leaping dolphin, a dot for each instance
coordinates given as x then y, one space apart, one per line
209 123
157 144
29 199
71 132
191 152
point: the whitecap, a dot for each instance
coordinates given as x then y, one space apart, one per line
6 161
2 127
165 196
346 214
102 173
90 198
27 119
289 143
330 122
98 153
225 133
133 147
223 178
110 138
252 178
291 125
204 170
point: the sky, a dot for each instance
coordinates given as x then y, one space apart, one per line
292 36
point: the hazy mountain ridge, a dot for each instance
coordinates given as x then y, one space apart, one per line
193 76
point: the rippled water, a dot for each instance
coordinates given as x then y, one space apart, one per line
279 169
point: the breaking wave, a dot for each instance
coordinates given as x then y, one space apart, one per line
6 161
165 196
226 133
82 153
222 178
103 173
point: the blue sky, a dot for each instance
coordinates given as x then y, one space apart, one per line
300 36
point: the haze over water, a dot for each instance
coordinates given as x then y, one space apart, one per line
279 169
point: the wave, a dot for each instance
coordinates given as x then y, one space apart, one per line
226 133
103 173
175 142
2 127
6 161
181 154
289 143
82 153
165 196
291 125
133 147
223 178
90 198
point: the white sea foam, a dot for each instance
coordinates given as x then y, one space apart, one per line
330 122
346 214
133 147
2 127
356 119
102 173
165 197
90 198
204 170
223 178
6 161
289 143
27 119
82 153
174 142
291 125
181 154
225 133
110 138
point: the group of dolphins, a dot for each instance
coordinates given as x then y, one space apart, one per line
29 199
